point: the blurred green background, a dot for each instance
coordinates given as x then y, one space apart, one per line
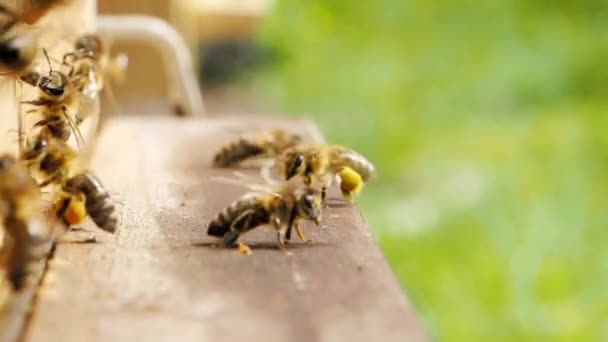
487 123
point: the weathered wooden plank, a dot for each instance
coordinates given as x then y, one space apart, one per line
56 31
159 278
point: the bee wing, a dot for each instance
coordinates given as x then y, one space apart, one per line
88 102
243 181
252 130
88 108
266 169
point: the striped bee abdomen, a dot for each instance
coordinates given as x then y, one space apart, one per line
242 215
358 163
98 204
236 152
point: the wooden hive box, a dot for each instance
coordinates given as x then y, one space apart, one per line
159 277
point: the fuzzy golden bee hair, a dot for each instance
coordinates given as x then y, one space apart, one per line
320 164
56 162
58 103
282 209
27 231
89 194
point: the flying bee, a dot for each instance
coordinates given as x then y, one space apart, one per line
79 193
84 75
282 209
268 144
324 163
94 47
28 231
90 64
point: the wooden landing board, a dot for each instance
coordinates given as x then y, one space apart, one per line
159 279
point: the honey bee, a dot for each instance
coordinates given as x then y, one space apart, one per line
19 47
28 231
268 144
85 75
323 163
86 187
282 209
56 103
79 193
90 48
90 63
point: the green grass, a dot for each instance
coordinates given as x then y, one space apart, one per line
488 123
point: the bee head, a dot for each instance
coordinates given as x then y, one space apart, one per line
19 51
295 164
53 84
309 205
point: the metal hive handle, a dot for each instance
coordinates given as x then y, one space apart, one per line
184 91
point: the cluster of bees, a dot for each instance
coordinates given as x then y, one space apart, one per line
306 171
45 189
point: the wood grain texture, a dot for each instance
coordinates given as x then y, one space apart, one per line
56 31
159 278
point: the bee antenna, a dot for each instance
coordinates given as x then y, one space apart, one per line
48 60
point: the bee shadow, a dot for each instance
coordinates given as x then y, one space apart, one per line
335 203
259 245
84 241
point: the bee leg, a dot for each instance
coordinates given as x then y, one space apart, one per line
281 241
39 102
55 178
288 235
68 56
276 222
324 195
230 238
301 234
75 129
47 121
292 220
